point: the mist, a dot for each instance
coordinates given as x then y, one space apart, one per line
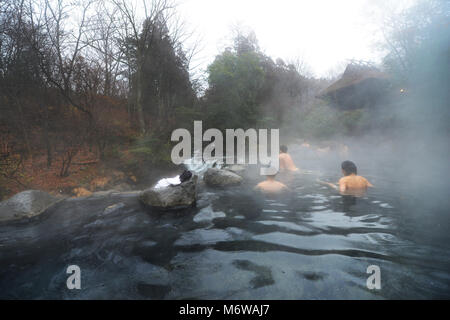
409 145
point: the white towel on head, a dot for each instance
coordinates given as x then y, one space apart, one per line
165 182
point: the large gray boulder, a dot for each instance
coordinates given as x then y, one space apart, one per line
26 204
221 178
172 197
239 169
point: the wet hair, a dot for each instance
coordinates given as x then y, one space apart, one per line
349 167
283 148
186 175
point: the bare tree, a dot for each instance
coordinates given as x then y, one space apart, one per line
102 38
403 28
301 66
133 28
66 44
59 37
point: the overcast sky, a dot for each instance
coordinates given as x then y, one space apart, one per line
325 33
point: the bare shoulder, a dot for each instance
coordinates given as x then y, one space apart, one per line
367 182
285 187
259 185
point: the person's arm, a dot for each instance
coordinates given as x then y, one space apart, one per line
342 185
285 188
329 184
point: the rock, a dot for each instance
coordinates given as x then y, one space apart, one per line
171 197
108 193
81 192
236 168
101 194
26 204
113 208
239 169
129 193
221 178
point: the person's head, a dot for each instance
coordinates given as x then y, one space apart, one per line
348 168
271 177
283 149
186 175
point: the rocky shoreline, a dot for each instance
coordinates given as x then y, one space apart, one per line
32 203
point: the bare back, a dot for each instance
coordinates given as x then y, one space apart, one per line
353 183
271 187
286 162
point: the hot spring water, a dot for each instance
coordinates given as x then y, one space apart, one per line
310 244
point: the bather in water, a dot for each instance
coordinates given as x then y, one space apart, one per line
271 186
286 162
350 183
